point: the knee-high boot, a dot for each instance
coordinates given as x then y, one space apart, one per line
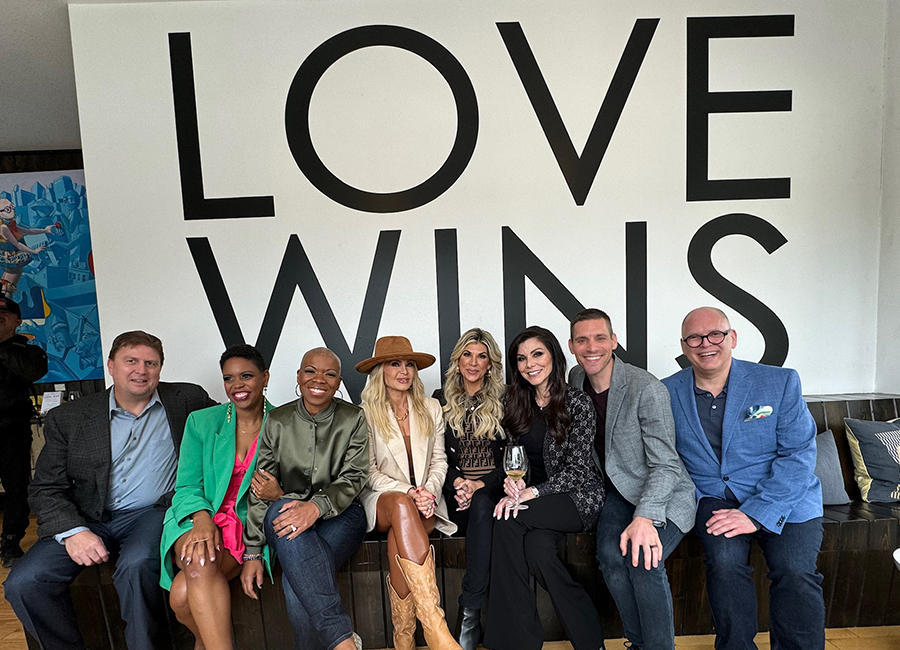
403 617
423 588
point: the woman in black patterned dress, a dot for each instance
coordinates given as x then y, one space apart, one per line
556 425
473 438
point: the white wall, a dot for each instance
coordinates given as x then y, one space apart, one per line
382 119
887 377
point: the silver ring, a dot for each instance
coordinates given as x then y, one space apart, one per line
293 528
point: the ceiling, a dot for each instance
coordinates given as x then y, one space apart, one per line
37 79
38 108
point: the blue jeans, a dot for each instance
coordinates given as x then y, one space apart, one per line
38 586
308 563
796 605
643 597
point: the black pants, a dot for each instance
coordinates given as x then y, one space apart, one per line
527 545
15 474
477 524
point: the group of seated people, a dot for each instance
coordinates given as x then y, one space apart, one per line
613 450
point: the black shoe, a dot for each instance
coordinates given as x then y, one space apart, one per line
10 554
469 626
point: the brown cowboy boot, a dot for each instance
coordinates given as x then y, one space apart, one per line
403 617
423 589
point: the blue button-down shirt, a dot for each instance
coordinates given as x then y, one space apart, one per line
143 456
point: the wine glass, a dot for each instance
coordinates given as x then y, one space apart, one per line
515 464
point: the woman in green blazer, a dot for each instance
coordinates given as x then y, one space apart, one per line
202 541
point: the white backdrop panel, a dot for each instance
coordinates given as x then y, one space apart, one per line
383 119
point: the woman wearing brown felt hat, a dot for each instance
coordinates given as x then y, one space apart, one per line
403 497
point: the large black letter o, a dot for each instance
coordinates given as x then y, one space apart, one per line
296 117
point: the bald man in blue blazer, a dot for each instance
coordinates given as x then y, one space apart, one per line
747 440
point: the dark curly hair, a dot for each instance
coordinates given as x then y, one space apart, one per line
244 351
521 408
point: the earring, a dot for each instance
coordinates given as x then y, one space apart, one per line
230 410
339 392
489 372
297 390
457 370
265 389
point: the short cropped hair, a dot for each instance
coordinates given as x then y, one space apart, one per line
589 314
243 351
135 338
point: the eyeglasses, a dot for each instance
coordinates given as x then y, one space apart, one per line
715 337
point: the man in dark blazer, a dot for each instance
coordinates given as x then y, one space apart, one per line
749 443
101 485
650 500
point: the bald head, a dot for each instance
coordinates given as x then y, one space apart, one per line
711 360
325 352
704 313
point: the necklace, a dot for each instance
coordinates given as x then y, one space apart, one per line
538 400
400 418
258 427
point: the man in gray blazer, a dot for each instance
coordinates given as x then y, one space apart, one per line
102 483
650 500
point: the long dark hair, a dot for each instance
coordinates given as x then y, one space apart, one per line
521 408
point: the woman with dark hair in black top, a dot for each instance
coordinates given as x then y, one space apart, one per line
556 426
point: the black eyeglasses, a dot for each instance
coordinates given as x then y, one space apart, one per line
715 337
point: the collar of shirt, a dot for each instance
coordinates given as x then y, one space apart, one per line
115 409
703 391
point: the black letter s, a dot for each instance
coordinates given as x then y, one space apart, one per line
701 267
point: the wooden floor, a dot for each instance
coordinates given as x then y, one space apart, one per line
852 638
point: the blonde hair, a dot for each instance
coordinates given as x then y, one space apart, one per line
378 405
489 411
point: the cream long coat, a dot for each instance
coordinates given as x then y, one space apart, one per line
389 467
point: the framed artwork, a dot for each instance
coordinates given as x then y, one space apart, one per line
47 267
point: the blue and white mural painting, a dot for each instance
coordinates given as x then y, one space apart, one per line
46 263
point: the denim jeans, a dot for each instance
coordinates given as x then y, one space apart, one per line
38 586
308 563
796 605
642 596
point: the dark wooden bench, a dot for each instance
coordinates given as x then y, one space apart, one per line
862 588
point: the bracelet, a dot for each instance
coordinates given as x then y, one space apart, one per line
535 491
250 557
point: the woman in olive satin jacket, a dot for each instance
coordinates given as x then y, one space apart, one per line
317 447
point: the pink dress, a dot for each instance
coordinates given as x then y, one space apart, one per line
226 518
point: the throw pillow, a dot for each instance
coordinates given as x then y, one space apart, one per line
875 447
828 470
